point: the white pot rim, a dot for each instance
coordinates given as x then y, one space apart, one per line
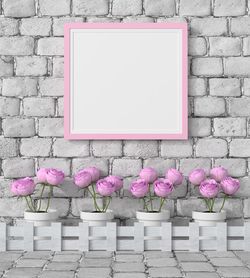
97 216
198 215
153 216
52 214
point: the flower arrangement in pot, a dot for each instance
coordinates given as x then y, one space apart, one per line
47 179
98 188
149 188
217 183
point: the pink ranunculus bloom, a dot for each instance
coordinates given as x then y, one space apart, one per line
197 176
94 172
218 173
148 174
230 185
117 181
163 187
42 175
105 188
209 188
175 176
139 188
23 187
55 177
82 179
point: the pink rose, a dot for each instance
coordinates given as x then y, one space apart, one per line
105 188
117 181
23 187
163 187
139 188
94 172
230 185
218 173
209 188
54 177
148 174
82 179
42 175
197 176
175 176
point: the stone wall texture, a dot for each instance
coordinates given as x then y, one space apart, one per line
31 101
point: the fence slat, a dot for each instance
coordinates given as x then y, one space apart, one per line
56 236
221 236
83 237
111 236
166 236
138 237
246 236
194 241
28 238
3 236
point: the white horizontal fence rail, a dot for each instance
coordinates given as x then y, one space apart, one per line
112 237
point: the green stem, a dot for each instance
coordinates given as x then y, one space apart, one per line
32 204
150 199
212 204
223 203
40 198
145 204
107 205
27 201
49 197
161 204
93 195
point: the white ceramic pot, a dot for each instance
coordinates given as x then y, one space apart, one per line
97 218
41 218
153 218
209 218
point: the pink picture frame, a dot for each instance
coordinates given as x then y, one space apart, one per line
68 134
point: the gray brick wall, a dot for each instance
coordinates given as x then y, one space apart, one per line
31 100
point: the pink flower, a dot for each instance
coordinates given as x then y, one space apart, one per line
163 187
82 179
42 175
139 188
175 176
23 187
148 174
105 188
218 173
197 176
209 188
230 185
117 181
94 172
54 177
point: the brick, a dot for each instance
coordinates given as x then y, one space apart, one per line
128 267
219 254
132 19
201 274
107 148
78 205
235 166
51 7
222 46
176 19
50 46
161 262
176 148
208 26
100 163
94 272
8 27
69 266
126 167
161 165
58 24
94 19
24 272
8 147
129 258
197 46
187 165
18 127
64 257
58 163
233 271
209 106
18 167
246 87
6 67
246 207
238 66
127 7
141 148
125 207
163 272
89 262
226 262
207 66
58 67
60 204
16 45
239 148
240 26
31 66
51 87
35 146
239 106
19 8
246 46
60 104
35 26
199 127
230 127
195 8
196 86
190 257
229 7
30 263
94 7
159 7
128 275
11 207
66 148
211 148
9 106
50 127
38 107
197 266
224 87
19 87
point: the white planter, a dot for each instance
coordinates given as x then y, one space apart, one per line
209 218
41 218
153 218
97 218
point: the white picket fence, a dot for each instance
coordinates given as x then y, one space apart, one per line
112 237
